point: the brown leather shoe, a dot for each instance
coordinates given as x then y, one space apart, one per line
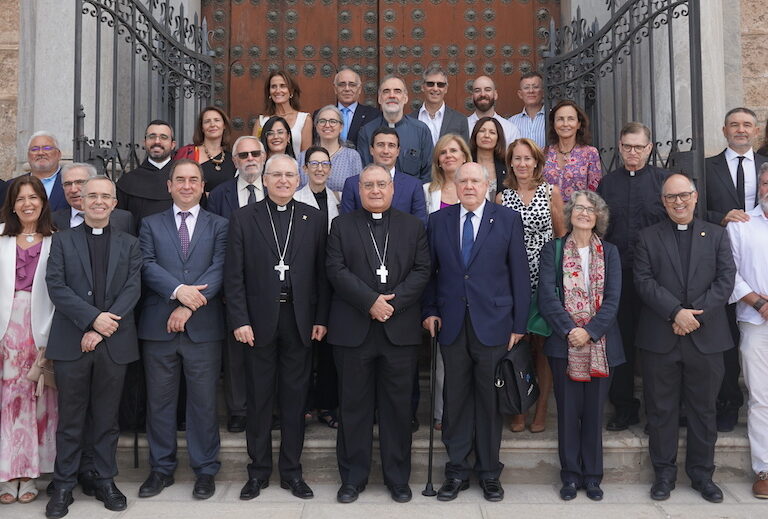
760 488
517 423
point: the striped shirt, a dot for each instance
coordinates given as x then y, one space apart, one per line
533 129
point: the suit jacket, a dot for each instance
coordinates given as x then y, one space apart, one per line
494 287
603 323
305 195
223 199
352 263
56 201
70 286
119 219
251 284
659 283
42 308
408 197
721 191
363 114
164 269
453 122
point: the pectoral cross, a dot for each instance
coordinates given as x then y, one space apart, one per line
382 272
281 268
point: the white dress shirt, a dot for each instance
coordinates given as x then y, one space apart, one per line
750 174
511 132
194 212
243 193
749 243
75 217
433 123
475 221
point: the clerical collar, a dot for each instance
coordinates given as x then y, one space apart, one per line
377 217
94 230
278 207
682 226
159 165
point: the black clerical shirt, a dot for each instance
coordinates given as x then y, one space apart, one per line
98 250
380 228
684 238
282 220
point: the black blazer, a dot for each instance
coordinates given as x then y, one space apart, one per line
223 199
721 192
70 287
659 283
352 263
119 219
363 114
251 285
453 122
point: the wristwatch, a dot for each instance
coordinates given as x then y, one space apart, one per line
757 305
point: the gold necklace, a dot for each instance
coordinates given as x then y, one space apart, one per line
216 163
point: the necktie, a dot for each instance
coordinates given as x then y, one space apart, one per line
740 184
81 215
184 233
467 238
251 194
345 112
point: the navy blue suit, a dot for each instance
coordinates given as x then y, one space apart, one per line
481 305
408 197
56 201
223 199
197 348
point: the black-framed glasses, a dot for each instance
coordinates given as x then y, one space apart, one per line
439 84
244 154
684 196
578 208
637 148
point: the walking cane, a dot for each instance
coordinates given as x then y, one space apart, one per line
429 490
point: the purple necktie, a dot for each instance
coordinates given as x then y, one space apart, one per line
184 233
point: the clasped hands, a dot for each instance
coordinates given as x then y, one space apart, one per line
686 322
381 309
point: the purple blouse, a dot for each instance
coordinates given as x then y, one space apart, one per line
26 264
581 172
443 205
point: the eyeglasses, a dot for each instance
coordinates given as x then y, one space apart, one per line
347 84
98 196
70 183
283 175
637 148
330 122
381 184
439 84
275 133
317 164
584 209
684 196
158 136
36 149
244 154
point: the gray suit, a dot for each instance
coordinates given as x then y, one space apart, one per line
197 349
90 380
119 219
453 122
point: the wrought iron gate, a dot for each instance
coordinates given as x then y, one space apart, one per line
135 61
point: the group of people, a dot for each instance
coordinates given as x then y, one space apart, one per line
214 258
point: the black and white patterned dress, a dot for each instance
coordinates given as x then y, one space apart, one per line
537 220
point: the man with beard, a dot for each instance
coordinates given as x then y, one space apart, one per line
415 156
143 191
484 96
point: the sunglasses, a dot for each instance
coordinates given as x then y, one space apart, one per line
440 84
244 154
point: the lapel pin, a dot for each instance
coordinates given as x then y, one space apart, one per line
303 217
703 233
491 220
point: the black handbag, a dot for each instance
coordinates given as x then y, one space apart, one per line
515 380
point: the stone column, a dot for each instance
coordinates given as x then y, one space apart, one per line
754 59
9 84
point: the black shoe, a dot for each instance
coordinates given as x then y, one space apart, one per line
414 424
492 490
252 488
181 426
58 505
661 489
87 481
400 493
349 493
112 498
236 424
708 490
622 420
298 488
568 491
727 420
49 489
154 484
451 488
594 492
205 486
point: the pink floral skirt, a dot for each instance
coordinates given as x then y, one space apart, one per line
27 423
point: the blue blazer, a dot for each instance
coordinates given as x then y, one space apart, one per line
495 287
223 199
56 201
408 197
603 323
164 269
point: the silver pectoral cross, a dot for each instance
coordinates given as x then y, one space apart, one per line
281 268
382 272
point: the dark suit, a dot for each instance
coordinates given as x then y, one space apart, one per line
119 219
480 305
223 199
92 380
691 365
453 122
375 360
56 200
721 198
363 114
198 348
408 197
282 330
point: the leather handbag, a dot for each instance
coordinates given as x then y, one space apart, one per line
41 372
515 380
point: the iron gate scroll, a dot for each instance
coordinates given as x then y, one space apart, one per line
135 61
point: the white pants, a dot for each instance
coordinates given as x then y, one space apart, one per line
754 366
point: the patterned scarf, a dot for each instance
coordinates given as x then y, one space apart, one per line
582 305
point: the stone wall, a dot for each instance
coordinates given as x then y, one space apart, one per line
754 57
9 84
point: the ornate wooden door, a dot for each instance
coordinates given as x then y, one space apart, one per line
312 38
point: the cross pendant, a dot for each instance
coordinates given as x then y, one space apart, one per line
382 272
281 268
